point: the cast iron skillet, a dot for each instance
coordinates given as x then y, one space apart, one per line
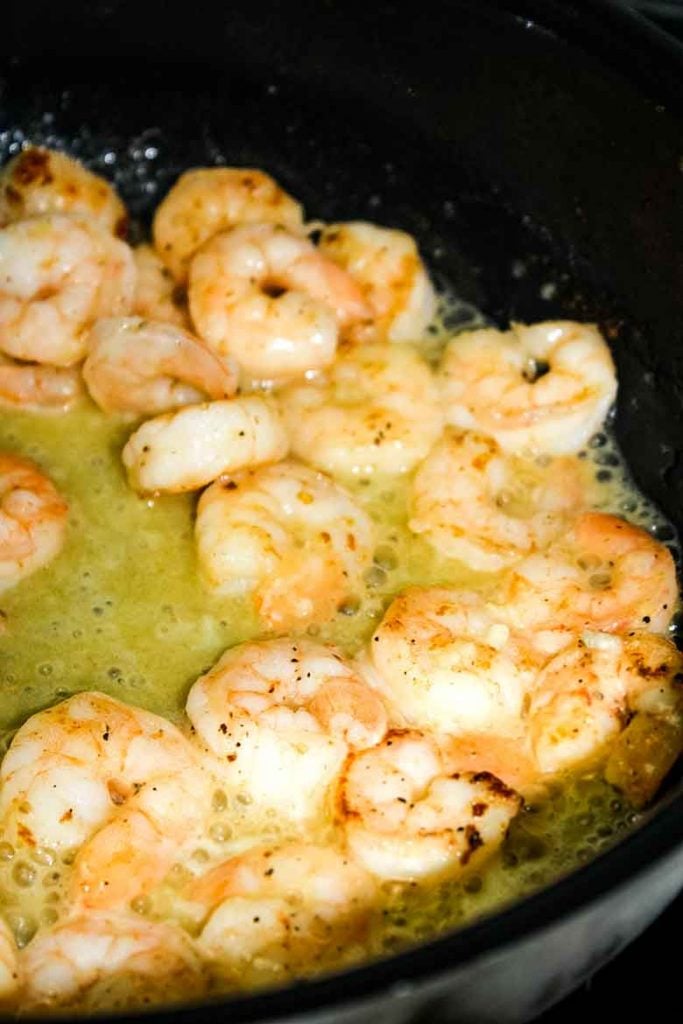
496 132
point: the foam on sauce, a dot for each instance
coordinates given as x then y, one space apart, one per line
122 610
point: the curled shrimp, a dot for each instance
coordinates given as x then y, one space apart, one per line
143 366
208 200
588 694
448 662
604 574
11 976
409 814
71 767
271 300
540 388
187 449
387 265
375 411
273 910
39 181
157 296
476 503
113 962
57 275
290 536
33 518
281 715
34 387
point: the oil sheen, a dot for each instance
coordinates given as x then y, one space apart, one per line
122 610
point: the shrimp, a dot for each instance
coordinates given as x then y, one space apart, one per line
34 387
273 910
33 518
185 450
487 508
604 574
376 411
272 300
157 296
143 366
290 536
544 388
586 696
11 977
281 715
410 815
387 266
57 275
208 200
448 662
71 767
40 181
113 962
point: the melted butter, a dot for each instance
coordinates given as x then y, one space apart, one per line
122 610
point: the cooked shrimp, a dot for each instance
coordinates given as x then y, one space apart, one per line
33 519
208 200
588 693
376 411
290 536
541 388
447 662
143 366
157 296
604 574
112 962
272 300
282 715
185 450
273 909
71 767
40 181
387 266
34 387
410 815
57 275
474 502
10 974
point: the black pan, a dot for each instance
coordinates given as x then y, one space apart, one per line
495 132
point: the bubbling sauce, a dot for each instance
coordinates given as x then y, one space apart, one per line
122 610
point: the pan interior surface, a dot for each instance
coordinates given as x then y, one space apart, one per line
538 184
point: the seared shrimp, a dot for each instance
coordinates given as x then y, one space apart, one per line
275 909
376 411
71 767
586 696
57 275
10 974
282 715
474 502
448 663
211 199
541 388
387 266
290 536
604 574
39 181
34 387
112 962
410 815
157 296
143 366
33 519
185 450
272 300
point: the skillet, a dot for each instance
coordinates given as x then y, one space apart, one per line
503 134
